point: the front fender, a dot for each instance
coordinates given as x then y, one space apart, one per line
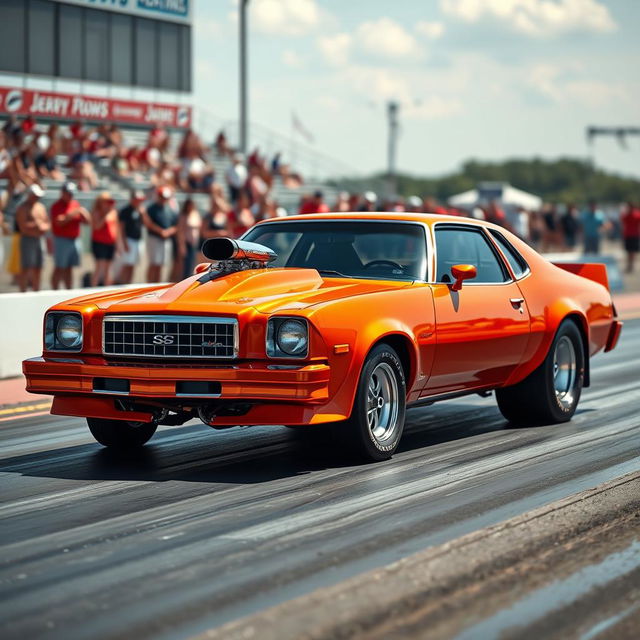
361 323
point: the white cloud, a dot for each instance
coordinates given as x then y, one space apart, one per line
378 83
536 17
285 17
561 86
292 59
431 30
335 49
388 39
382 84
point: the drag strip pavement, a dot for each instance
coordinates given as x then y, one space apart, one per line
205 526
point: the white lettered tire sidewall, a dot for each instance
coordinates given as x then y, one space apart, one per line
364 440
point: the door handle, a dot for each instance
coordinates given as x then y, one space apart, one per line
517 303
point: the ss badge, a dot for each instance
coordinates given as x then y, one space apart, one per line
163 338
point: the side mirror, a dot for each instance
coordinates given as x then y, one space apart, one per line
462 272
201 268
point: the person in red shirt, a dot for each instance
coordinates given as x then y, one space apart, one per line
495 214
315 204
241 217
630 219
28 125
104 236
66 217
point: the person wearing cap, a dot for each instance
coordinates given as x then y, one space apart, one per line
414 204
104 236
236 177
131 217
33 223
66 217
161 220
370 201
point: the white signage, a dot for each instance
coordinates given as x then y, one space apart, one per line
174 10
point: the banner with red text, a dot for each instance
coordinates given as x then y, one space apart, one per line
50 104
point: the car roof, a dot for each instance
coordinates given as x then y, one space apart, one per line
424 218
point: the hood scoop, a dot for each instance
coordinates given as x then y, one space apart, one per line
230 255
256 280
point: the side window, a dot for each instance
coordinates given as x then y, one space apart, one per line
455 245
517 262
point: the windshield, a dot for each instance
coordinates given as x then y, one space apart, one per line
377 250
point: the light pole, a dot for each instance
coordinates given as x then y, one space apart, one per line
243 77
392 110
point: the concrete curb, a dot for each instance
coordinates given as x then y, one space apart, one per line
361 604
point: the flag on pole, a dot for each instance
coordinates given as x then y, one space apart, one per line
300 128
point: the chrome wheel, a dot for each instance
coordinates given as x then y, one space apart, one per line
382 403
565 372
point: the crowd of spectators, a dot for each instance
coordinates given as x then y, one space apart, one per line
163 232
553 228
31 152
29 157
174 234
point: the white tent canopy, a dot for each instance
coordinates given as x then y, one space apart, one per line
506 195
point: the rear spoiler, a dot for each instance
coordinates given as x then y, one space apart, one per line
596 271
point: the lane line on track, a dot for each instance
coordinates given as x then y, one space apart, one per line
340 512
25 408
22 416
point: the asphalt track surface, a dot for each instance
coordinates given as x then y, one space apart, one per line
205 526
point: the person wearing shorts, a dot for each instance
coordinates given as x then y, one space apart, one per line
33 223
104 222
161 220
66 217
131 222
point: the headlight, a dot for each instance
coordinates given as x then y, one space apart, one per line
287 338
63 331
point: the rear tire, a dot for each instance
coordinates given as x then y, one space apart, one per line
551 393
375 427
120 434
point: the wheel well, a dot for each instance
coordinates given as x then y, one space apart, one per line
579 321
402 346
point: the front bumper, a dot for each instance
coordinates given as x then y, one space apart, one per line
308 383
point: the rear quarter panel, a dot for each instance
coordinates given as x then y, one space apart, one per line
551 295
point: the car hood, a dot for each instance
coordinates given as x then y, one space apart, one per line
266 290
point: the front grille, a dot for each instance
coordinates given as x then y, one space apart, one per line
170 337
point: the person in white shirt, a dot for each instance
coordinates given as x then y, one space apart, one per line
236 177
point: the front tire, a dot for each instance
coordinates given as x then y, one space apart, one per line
551 393
120 434
377 419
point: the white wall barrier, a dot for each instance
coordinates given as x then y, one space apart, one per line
21 317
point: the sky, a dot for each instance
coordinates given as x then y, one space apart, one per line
483 79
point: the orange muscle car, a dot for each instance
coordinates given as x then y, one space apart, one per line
346 319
